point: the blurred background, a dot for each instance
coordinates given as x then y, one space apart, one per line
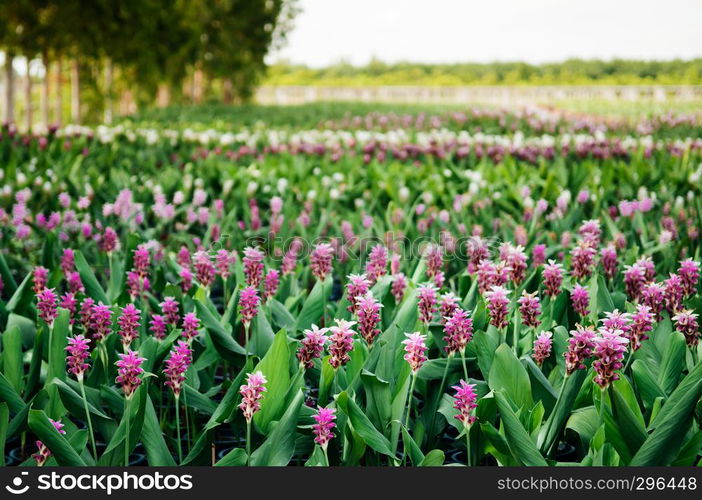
73 61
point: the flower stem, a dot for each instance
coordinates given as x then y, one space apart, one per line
463 359
468 460
87 415
126 436
180 446
409 410
248 442
246 340
326 456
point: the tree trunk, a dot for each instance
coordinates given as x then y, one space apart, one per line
45 92
58 103
108 91
9 89
28 108
163 96
227 94
75 91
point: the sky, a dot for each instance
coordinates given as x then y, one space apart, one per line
446 31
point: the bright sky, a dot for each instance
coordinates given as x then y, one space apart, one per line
327 31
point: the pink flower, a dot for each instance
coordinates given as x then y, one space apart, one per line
321 260
290 258
649 268
129 324
426 302
204 268
47 304
191 326
158 326
415 347
69 302
399 284
458 331
377 263
357 287
674 293
223 262
67 261
340 342
176 365
434 258
580 298
689 272
108 241
542 347
497 303
78 353
582 260
128 371
553 278
324 419
271 283
169 308
686 323
610 346
653 296
516 260
368 311
634 280
538 255
44 453
40 278
142 260
75 285
186 279
580 346
251 394
616 320
608 257
311 346
641 324
248 304
530 309
448 304
465 401
183 257
253 266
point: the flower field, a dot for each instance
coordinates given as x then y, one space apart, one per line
473 287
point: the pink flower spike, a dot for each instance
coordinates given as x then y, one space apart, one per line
158 326
128 372
580 346
357 286
47 304
169 308
204 268
322 429
78 353
191 326
610 346
251 393
340 342
580 297
271 283
321 260
465 401
253 266
686 323
542 347
176 365
497 305
248 304
427 302
458 331
129 324
529 309
415 347
311 346
368 311
552 275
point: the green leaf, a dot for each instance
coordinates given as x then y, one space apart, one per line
518 439
561 411
90 282
4 423
508 374
157 453
60 448
314 305
275 366
673 362
413 452
435 458
223 341
57 359
279 447
12 364
362 426
235 458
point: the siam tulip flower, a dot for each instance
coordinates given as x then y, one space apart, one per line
538 255
43 454
69 302
158 326
186 279
271 283
177 364
357 287
674 293
204 268
248 304
608 257
75 284
399 284
368 312
610 346
78 353
465 401
591 232
129 324
448 304
689 272
616 320
395 263
128 371
311 346
478 251
415 347
649 268
169 308
653 296
686 323
47 305
321 260
191 326
580 298
223 261
497 303
542 347
67 262
40 278
108 241
516 260
641 324
439 279
253 266
290 258
580 346
142 260
582 260
377 263
458 331
529 309
183 257
100 321
433 255
634 280
86 311
427 301
340 342
322 429
251 394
